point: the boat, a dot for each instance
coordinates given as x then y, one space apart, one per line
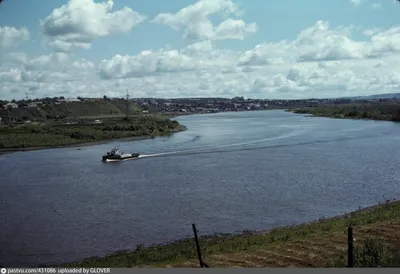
117 155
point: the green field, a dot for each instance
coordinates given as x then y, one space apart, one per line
381 111
100 108
318 244
50 134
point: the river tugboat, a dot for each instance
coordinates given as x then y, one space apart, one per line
117 155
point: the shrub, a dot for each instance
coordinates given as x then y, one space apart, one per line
372 253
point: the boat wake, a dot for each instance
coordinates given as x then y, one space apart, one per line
246 146
205 149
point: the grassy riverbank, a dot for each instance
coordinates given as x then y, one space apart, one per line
50 135
317 244
377 111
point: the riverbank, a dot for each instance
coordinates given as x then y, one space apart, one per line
315 244
377 111
28 137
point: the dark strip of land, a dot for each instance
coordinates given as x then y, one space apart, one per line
50 134
370 111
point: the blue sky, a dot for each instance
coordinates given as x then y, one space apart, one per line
258 58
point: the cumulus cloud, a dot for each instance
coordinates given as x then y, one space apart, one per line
78 23
321 61
356 2
196 23
10 36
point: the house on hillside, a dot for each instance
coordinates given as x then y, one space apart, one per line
10 105
67 100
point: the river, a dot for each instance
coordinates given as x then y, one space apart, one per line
228 172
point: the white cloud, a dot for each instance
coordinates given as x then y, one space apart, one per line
19 56
356 2
78 23
320 61
376 5
10 36
195 21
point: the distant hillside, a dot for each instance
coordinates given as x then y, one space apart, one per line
70 110
373 96
387 95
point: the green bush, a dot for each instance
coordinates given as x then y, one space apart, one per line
372 253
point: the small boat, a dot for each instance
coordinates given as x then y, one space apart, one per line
117 155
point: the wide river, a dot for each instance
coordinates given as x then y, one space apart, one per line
228 172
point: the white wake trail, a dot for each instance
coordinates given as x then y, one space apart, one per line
284 136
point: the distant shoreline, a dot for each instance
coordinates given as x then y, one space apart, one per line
377 112
87 144
77 145
123 139
174 115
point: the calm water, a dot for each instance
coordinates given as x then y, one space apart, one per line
228 172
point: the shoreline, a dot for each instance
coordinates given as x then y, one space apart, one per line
309 113
173 116
181 252
344 117
87 144
133 138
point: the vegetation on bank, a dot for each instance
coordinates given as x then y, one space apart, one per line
53 110
372 252
317 244
52 135
385 112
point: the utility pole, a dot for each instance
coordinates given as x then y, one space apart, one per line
127 103
26 96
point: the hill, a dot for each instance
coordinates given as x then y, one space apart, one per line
386 95
62 110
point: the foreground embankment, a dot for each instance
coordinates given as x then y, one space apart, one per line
322 243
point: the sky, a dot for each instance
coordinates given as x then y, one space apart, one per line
269 49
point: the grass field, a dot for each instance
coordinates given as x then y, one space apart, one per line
381 111
314 244
72 109
25 136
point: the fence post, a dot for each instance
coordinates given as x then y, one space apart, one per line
202 264
350 247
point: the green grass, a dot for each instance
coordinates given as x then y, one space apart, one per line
53 135
85 109
177 253
373 252
382 111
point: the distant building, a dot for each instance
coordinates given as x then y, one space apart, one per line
10 105
68 100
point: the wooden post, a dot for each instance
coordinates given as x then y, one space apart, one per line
350 247
197 245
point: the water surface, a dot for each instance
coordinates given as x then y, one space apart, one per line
228 172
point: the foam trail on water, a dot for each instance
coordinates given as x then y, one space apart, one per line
288 135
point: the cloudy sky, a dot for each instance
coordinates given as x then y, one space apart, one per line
190 48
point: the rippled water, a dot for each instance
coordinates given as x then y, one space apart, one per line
227 172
